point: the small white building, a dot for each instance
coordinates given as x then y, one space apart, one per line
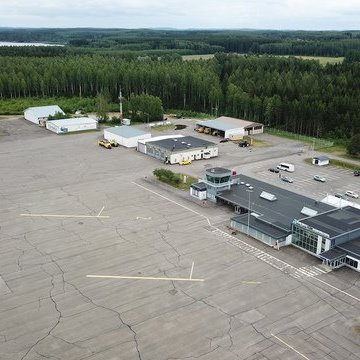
127 136
320 160
198 190
173 150
39 115
62 126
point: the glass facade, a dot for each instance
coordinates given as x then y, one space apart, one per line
217 180
305 238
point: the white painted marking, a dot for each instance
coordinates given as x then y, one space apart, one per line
66 216
290 347
174 202
244 244
143 218
192 269
143 278
102 209
337 289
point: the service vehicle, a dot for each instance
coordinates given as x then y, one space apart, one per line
207 131
274 170
185 162
319 178
200 129
224 140
104 143
357 173
113 143
352 194
244 144
286 167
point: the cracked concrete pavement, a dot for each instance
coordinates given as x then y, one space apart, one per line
51 310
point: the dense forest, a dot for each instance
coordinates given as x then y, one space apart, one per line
287 93
159 42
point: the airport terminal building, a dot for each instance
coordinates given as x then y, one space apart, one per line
278 217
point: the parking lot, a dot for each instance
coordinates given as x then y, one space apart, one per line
70 209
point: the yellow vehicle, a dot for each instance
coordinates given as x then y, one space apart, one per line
185 162
113 143
200 129
104 143
215 133
207 131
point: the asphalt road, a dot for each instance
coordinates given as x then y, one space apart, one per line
101 214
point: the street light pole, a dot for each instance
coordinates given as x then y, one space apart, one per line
249 210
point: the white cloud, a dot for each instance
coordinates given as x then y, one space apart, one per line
276 14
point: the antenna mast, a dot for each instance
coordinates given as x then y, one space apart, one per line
121 108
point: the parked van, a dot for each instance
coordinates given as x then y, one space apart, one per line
286 167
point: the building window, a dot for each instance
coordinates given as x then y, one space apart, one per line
305 239
351 262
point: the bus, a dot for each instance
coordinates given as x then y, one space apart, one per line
286 167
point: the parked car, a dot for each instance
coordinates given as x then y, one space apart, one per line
244 144
287 179
357 173
340 196
113 143
104 143
224 140
319 178
274 170
185 162
352 194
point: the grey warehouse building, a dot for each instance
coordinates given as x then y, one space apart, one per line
174 150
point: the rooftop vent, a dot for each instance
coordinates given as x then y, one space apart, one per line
268 196
308 212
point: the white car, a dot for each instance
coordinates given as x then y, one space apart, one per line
319 178
351 194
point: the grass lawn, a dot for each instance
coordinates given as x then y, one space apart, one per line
185 185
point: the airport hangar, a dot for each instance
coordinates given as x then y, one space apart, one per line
63 126
125 135
177 148
278 217
231 128
40 114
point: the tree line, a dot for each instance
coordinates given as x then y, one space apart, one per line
285 93
150 42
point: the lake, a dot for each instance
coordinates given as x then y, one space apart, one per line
8 43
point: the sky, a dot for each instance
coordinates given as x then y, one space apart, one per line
183 14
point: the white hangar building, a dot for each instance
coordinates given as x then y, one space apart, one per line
62 126
39 115
231 128
127 136
173 150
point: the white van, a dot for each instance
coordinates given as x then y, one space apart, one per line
286 167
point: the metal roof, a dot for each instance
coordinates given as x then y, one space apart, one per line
126 131
226 123
335 222
183 143
44 111
352 248
72 121
263 225
281 212
216 124
199 186
321 157
332 255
